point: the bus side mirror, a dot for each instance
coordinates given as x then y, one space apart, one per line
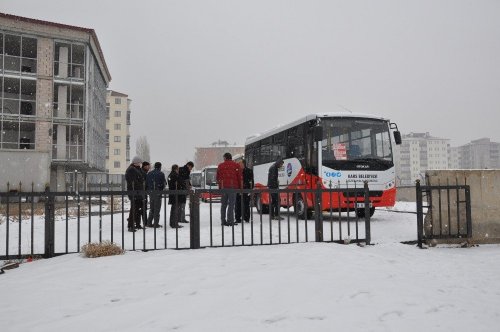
397 137
318 133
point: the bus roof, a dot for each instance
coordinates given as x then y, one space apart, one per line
257 137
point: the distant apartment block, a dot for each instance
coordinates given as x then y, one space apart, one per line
480 154
420 152
212 155
117 132
53 80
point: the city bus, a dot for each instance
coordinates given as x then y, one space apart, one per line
209 181
334 150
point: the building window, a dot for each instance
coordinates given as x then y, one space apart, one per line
19 96
117 164
118 126
69 61
118 101
116 152
118 138
118 114
20 54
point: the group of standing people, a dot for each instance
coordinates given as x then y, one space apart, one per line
139 177
235 206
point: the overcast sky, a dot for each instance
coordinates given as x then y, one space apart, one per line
202 70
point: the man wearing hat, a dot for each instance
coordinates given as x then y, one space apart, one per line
135 181
155 181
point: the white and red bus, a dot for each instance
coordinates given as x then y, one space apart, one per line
337 150
209 181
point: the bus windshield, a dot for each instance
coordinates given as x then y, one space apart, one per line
348 141
211 177
196 180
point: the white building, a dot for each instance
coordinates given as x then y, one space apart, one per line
118 132
420 152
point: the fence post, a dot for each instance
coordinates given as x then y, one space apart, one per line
194 218
368 232
318 214
49 224
420 214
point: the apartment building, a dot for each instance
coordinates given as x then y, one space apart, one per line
480 154
420 152
117 132
53 81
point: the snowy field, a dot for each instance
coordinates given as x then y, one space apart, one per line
315 286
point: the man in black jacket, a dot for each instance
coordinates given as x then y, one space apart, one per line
184 177
135 181
247 176
174 199
273 183
155 181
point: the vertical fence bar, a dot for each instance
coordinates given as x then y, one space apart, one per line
211 219
318 214
32 220
270 219
458 207
49 225
331 211
297 229
112 216
78 221
19 220
368 234
468 216
123 220
251 215
242 216
144 216
440 212
288 213
449 205
348 210
90 217
356 209
165 207
420 214
7 222
66 226
261 222
194 212
340 211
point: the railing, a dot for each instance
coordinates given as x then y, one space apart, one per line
55 223
448 212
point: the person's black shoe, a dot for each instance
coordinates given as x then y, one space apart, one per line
184 221
228 223
156 226
131 229
237 221
150 225
138 227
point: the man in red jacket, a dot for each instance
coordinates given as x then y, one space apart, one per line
228 177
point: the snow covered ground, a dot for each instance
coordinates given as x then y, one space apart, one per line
317 286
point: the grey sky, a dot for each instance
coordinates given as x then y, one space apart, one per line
202 70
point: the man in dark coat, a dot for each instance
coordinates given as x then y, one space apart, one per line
135 181
273 183
144 206
228 177
184 176
155 181
247 175
174 199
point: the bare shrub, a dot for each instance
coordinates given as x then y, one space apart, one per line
105 248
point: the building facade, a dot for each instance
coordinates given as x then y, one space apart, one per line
420 152
213 155
53 81
480 154
117 132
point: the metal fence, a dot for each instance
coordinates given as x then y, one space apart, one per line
448 214
54 223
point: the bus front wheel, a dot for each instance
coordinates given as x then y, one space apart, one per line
300 209
261 208
361 212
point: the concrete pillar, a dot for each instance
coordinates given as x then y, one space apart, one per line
63 62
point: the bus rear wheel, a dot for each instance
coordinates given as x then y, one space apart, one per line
261 208
300 208
361 212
